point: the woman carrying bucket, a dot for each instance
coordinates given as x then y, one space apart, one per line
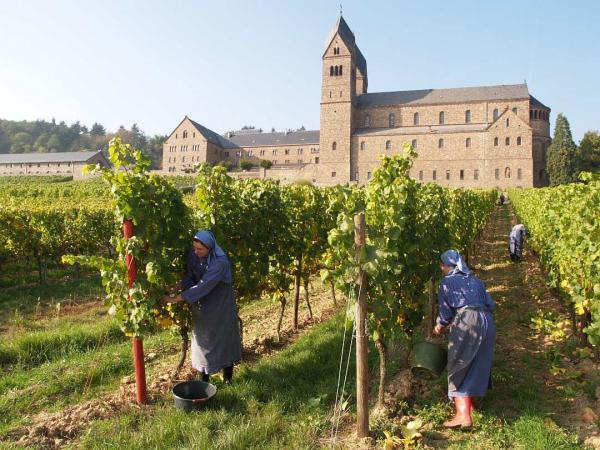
467 308
207 288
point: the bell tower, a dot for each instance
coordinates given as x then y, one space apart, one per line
338 99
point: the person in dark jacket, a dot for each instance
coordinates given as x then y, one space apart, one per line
208 290
465 306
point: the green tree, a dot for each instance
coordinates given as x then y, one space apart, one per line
562 163
21 142
589 152
97 129
4 141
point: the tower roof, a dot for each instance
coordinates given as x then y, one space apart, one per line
347 36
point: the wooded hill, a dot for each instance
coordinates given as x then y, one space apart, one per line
41 136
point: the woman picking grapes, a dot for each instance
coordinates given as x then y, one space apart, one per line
208 290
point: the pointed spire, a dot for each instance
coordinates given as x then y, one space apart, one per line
340 9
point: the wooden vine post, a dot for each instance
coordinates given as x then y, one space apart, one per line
362 369
137 344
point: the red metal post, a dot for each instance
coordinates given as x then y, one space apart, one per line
137 344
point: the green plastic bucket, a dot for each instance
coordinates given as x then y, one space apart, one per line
428 360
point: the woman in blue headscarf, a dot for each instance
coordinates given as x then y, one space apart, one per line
467 308
207 288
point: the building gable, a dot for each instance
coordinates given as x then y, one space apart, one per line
514 121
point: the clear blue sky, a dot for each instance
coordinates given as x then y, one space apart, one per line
232 63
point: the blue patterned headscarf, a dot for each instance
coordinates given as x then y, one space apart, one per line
207 238
452 258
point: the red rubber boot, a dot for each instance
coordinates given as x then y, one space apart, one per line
462 417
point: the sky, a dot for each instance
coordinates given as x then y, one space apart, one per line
227 64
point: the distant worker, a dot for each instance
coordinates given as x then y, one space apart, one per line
516 239
501 199
465 306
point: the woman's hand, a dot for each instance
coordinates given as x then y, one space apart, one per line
173 290
438 329
172 298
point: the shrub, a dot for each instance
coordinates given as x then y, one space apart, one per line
246 164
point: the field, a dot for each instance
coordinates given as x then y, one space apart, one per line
66 369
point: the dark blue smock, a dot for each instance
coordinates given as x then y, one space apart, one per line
467 307
208 289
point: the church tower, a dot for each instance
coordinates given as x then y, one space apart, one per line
344 76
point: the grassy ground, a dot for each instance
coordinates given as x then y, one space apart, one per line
54 359
285 399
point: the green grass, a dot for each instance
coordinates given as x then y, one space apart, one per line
81 376
25 300
267 407
66 338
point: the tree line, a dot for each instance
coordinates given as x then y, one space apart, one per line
41 136
565 159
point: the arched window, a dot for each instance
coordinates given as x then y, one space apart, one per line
507 122
414 144
519 174
441 117
330 71
468 116
507 172
468 142
336 71
519 140
495 142
531 114
535 114
334 146
441 143
388 145
507 141
367 121
185 134
416 119
363 145
392 120
496 114
341 70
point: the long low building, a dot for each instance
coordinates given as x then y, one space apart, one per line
483 136
60 163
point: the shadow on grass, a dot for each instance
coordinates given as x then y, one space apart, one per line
18 302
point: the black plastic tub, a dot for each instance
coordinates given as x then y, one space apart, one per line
192 395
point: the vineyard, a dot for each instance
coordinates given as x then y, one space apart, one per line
565 227
295 271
